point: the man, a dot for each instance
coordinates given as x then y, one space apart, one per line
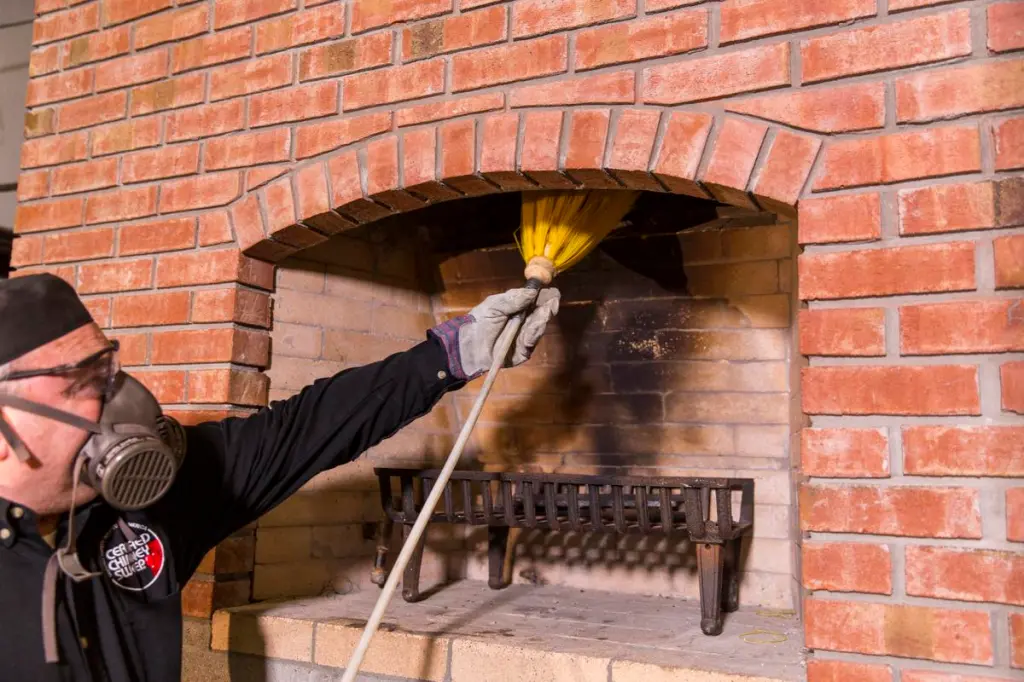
91 565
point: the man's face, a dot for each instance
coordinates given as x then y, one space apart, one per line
44 485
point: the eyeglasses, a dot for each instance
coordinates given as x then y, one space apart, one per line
95 374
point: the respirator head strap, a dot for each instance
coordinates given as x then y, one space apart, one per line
16 403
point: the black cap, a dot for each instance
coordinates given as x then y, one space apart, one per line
35 310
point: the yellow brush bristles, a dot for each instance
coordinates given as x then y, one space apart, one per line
557 229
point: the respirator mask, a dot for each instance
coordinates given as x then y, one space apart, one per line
133 452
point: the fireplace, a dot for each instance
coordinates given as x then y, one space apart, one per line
820 292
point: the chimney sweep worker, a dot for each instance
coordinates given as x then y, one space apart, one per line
107 506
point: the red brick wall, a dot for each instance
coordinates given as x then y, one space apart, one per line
176 149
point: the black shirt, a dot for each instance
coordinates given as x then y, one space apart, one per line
126 624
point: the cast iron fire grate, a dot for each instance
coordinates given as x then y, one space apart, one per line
622 504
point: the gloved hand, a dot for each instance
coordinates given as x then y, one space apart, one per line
470 339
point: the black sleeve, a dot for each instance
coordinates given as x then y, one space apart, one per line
238 469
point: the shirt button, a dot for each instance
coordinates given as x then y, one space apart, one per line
17 512
442 374
5 533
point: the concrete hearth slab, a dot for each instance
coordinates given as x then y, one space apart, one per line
465 632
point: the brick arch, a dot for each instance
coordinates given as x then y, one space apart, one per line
733 159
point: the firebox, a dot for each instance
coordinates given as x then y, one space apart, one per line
671 356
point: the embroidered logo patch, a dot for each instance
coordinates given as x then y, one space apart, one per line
133 564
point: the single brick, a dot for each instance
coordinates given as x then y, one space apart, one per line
926 268
1017 640
44 60
346 56
213 267
935 634
59 86
847 567
26 250
97 46
784 173
902 390
932 676
604 88
294 104
437 111
182 24
965 574
303 28
126 10
1011 381
508 63
732 160
1015 515
633 145
317 138
1009 142
40 122
458 149
132 70
845 218
647 38
368 14
900 156
214 228
906 511
250 149
533 17
498 150
155 236
382 165
993 326
819 670
842 332
588 134
541 138
397 84
1009 261
682 148
946 93
460 32
419 156
203 191
122 137
121 204
255 75
758 68
963 450
231 305
77 246
167 387
1005 26
215 48
922 40
947 208
169 94
48 151
48 215
834 109
844 453
205 120
232 12
137 310
33 185
88 175
167 162
96 278
228 386
744 19
60 25
85 113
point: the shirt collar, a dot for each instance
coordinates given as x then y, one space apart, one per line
18 521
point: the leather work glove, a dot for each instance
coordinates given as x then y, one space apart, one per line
470 339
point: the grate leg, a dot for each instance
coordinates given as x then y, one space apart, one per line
411 578
710 565
379 575
497 544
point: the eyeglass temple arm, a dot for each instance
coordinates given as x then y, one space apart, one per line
7 400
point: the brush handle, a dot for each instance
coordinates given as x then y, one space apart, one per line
504 344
